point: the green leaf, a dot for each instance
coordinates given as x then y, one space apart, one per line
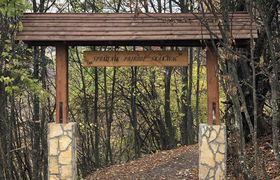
5 54
9 90
8 41
20 26
181 114
3 11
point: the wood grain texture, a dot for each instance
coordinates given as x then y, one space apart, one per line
108 39
125 28
50 28
61 82
135 58
212 86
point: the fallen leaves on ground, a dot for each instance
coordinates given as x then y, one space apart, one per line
180 163
265 146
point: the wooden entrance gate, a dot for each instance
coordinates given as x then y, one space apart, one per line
93 29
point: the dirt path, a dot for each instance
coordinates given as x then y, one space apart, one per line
180 163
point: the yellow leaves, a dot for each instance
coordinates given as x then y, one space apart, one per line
218 22
272 152
277 54
230 39
233 57
270 79
234 90
6 80
226 77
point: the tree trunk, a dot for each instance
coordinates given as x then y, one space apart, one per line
159 124
36 127
89 138
111 117
254 97
190 126
107 119
184 108
43 119
274 77
96 128
197 91
133 111
168 120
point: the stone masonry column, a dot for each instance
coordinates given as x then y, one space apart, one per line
62 151
212 152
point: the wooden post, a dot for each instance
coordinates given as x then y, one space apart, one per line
61 83
212 86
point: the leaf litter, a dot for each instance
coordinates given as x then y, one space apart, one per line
182 163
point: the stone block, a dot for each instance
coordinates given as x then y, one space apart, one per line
203 171
62 151
64 142
214 147
207 157
54 177
53 166
66 172
222 148
53 146
213 136
54 130
67 127
212 152
65 157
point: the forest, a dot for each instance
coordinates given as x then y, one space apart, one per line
125 113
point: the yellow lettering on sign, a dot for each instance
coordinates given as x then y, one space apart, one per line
135 58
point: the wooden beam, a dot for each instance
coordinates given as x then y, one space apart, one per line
61 83
212 86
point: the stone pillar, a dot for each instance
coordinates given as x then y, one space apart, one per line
62 151
212 152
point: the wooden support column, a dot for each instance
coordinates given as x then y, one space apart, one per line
61 83
212 86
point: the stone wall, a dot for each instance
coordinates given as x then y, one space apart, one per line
212 152
62 151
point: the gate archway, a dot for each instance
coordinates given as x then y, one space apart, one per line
85 29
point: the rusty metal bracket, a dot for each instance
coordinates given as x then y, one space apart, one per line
214 112
60 111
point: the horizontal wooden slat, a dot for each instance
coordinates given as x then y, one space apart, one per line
115 20
128 33
93 16
132 24
125 14
125 28
119 20
114 38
